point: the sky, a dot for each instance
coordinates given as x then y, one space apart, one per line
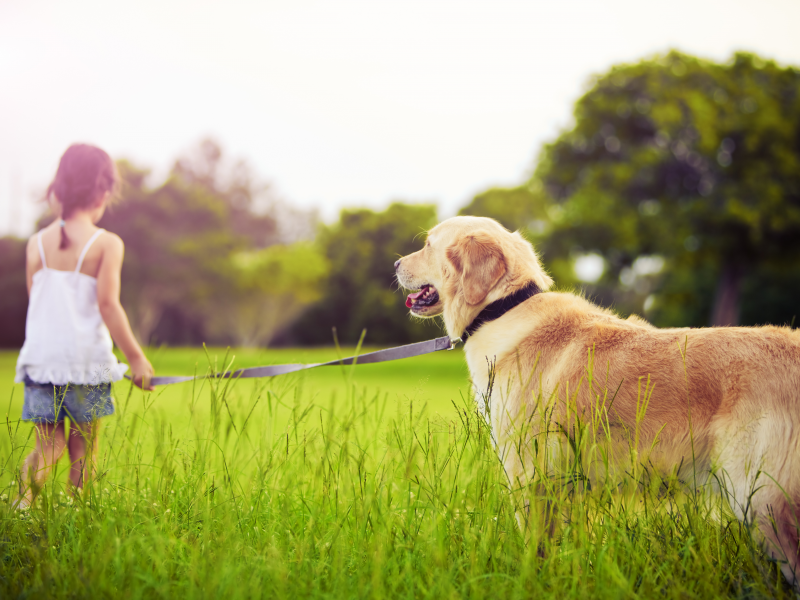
335 104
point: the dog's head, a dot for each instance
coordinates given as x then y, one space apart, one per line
466 264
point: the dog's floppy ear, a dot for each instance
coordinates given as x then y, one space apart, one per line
479 260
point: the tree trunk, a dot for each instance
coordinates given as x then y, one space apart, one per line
726 300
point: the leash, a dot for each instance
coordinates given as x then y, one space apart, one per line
379 356
491 312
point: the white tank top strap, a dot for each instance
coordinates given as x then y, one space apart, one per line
86 249
41 249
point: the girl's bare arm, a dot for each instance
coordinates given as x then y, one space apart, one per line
108 287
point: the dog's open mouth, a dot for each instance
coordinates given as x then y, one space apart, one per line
426 296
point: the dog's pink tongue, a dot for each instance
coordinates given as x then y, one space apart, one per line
413 296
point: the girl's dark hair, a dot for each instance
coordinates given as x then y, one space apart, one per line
85 173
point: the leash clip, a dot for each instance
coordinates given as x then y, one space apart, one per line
454 342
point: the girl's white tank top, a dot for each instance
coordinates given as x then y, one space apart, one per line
66 340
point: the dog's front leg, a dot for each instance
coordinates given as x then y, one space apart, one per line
534 494
537 516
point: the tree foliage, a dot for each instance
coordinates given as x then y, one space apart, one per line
203 263
521 207
270 288
695 161
689 160
361 291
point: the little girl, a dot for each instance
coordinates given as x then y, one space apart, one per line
67 364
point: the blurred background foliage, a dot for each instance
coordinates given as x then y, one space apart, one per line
680 184
360 291
675 195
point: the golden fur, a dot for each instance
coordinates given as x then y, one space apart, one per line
730 397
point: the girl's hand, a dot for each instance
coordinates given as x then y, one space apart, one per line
142 373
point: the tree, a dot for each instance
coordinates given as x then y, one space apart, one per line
695 161
361 291
249 204
688 160
194 245
270 288
178 242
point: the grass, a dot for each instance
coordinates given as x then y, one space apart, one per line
377 481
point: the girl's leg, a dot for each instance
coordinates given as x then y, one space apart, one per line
82 445
50 444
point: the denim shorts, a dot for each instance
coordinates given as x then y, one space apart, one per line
48 403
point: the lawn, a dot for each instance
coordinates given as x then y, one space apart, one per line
366 482
433 381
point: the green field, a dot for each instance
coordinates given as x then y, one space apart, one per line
366 482
433 381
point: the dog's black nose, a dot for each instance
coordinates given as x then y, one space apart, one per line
397 264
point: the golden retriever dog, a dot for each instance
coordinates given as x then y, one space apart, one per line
722 404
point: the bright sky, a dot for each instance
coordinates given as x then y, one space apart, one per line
335 103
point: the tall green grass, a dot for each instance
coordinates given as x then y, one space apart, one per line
272 489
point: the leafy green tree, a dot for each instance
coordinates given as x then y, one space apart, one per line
361 291
178 245
249 205
691 161
193 245
271 287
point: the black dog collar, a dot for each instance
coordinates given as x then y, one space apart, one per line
498 308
